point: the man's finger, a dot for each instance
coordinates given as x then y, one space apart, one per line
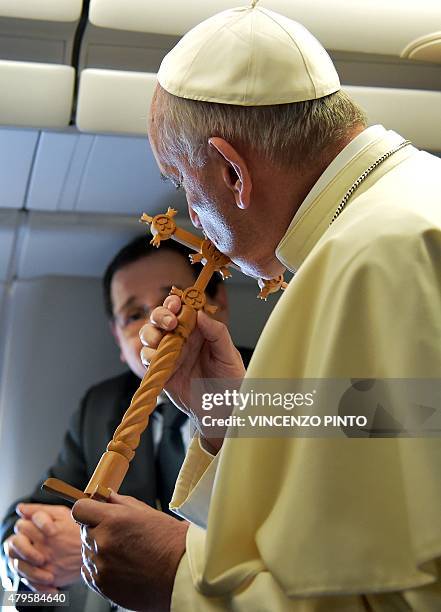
31 531
146 355
19 547
89 512
173 303
150 336
44 522
32 573
212 330
217 334
27 510
163 318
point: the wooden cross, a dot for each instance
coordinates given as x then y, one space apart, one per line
114 463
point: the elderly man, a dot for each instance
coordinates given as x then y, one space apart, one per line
281 172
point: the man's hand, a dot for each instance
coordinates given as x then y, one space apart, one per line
209 353
130 551
46 547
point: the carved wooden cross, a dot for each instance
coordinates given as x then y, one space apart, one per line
114 463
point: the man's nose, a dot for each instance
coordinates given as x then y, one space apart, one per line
194 218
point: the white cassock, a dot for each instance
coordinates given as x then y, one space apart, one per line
326 524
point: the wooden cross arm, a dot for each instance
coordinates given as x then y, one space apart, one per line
62 489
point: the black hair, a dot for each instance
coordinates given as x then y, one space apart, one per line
137 249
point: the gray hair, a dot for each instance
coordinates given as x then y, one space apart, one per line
285 134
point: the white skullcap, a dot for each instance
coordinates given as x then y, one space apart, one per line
248 56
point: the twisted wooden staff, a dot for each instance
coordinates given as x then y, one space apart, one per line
114 463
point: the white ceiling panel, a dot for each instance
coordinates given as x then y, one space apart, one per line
36 95
17 148
47 10
414 114
368 27
121 176
58 167
8 225
166 17
107 174
114 101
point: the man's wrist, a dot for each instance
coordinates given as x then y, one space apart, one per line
211 445
176 551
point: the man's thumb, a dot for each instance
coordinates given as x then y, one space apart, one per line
217 334
125 500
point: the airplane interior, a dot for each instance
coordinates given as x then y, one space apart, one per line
77 172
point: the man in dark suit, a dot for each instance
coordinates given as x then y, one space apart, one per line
41 541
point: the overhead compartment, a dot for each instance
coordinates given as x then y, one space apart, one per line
110 98
412 113
36 95
38 30
122 50
362 27
46 10
374 46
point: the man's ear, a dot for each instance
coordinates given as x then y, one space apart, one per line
235 172
116 338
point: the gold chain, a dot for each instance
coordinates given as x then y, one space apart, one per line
363 176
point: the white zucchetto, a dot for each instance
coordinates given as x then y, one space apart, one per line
248 56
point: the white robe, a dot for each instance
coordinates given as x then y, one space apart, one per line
326 524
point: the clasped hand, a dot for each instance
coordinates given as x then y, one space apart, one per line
45 549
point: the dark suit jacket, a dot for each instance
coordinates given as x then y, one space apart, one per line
90 429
